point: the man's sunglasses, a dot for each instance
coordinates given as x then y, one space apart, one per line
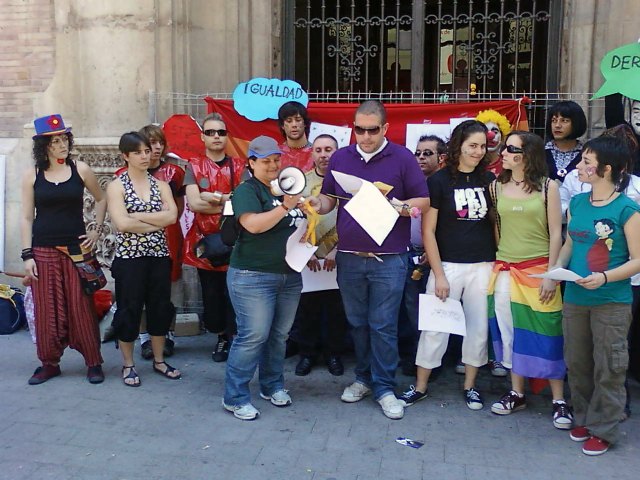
426 153
511 149
212 131
369 130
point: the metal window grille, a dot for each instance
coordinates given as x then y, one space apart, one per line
422 45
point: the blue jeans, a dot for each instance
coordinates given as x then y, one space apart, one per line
372 293
408 332
265 306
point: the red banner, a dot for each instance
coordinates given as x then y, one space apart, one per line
184 134
243 130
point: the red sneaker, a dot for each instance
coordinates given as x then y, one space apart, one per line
579 434
595 446
44 373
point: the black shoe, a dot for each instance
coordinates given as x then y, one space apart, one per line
292 349
221 352
95 374
304 366
334 365
146 351
411 396
169 347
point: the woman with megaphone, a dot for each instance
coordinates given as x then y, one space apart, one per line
264 290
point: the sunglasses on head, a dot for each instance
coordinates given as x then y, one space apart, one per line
426 153
212 131
511 149
369 130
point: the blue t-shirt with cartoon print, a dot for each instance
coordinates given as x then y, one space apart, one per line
599 244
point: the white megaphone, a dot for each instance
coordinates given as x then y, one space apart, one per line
290 181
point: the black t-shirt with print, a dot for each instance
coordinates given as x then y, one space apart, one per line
464 232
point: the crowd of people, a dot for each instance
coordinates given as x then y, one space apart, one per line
484 219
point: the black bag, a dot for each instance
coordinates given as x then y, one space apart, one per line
214 249
230 229
217 247
12 315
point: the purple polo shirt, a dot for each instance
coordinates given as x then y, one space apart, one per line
394 165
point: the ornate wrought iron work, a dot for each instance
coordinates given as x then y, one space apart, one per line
349 46
351 49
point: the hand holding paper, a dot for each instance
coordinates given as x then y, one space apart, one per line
559 275
368 206
298 253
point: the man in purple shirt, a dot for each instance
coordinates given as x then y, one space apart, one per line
371 276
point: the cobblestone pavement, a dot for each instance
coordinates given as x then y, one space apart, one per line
168 430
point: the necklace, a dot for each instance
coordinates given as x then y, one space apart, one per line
591 199
518 183
61 161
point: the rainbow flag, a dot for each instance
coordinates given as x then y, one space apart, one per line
537 328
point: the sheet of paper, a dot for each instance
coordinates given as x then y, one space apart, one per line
368 206
416 130
559 275
341 134
373 212
320 280
454 122
349 183
298 254
434 315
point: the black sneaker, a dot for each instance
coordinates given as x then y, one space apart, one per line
473 399
510 402
411 396
169 347
221 352
562 416
146 351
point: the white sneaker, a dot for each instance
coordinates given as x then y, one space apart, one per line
391 407
281 398
355 392
243 412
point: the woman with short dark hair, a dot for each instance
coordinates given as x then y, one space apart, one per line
141 207
603 247
566 122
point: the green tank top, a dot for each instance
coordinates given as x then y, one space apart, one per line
524 233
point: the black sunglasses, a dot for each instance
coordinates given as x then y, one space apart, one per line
426 153
212 131
511 149
369 130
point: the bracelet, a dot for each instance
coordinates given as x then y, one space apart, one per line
286 209
217 196
606 279
27 254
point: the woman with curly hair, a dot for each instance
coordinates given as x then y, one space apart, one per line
52 229
526 312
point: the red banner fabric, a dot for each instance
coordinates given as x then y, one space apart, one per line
242 130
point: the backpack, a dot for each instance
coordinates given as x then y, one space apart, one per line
12 314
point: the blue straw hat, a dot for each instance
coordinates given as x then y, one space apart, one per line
50 125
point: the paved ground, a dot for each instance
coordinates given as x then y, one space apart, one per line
168 430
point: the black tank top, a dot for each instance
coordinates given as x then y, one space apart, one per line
59 219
